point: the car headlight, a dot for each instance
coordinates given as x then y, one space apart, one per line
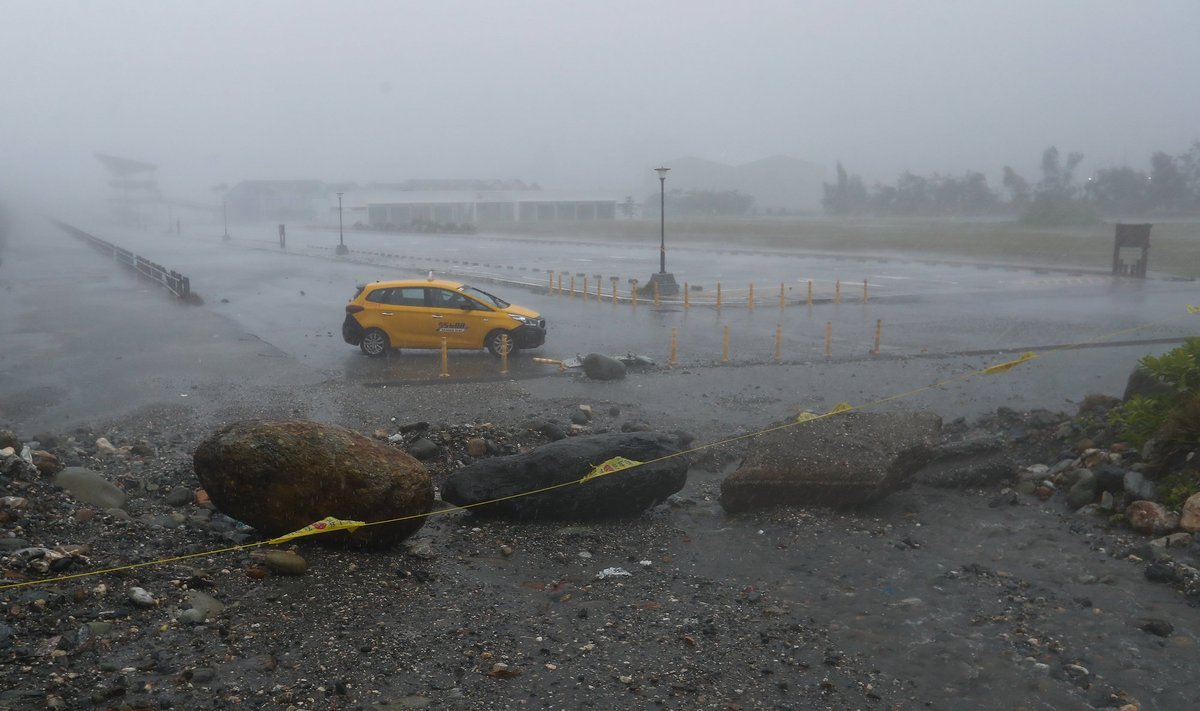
523 319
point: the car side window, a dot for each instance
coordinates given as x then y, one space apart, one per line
449 300
380 296
408 296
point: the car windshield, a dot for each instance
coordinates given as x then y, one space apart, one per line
484 296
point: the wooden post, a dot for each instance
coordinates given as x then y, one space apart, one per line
864 291
686 303
810 292
750 303
671 362
614 281
782 299
725 345
718 295
828 339
837 292
656 302
878 332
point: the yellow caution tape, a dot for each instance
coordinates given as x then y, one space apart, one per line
1005 367
1193 309
325 525
841 407
615 464
806 416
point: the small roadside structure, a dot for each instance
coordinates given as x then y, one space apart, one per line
1131 237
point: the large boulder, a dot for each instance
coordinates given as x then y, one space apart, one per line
1141 382
601 367
1189 519
846 459
279 476
623 493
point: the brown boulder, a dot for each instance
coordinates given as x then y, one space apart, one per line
279 476
1151 518
1190 518
845 459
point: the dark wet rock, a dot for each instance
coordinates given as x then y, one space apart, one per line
1158 627
636 426
279 476
1110 479
178 496
601 367
624 493
847 459
6 635
90 488
579 417
1083 491
1141 382
8 438
413 427
980 460
423 449
1161 572
551 431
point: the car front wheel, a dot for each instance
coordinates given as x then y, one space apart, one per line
375 343
495 343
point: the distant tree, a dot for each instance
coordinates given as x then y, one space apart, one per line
1189 164
848 196
1018 190
1118 192
1054 201
1168 190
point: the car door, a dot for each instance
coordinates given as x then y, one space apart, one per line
411 323
378 312
459 318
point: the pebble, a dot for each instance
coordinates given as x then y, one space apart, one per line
141 598
285 562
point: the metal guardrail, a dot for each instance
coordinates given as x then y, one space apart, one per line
171 280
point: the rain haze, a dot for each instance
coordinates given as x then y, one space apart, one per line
584 95
616 355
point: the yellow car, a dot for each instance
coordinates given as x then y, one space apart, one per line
419 313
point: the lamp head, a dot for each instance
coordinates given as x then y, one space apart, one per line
662 173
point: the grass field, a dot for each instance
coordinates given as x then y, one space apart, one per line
1175 247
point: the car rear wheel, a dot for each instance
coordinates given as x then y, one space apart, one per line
494 343
375 343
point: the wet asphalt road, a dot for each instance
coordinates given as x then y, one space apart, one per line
75 326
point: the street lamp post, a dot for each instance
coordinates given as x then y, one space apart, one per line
341 248
666 282
225 214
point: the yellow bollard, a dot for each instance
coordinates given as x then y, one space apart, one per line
686 303
504 354
750 303
572 286
562 367
445 361
585 287
560 283
718 295
725 345
551 281
671 362
810 292
614 281
829 339
656 302
633 292
837 292
878 332
864 291
778 343
599 289
782 300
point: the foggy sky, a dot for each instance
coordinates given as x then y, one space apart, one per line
575 95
